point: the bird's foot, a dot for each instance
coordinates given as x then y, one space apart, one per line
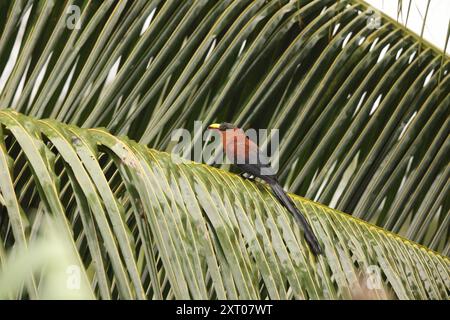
247 176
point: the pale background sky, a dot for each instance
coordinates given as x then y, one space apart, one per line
436 23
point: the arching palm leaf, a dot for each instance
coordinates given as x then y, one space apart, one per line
362 108
145 226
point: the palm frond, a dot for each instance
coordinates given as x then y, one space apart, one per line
361 102
146 225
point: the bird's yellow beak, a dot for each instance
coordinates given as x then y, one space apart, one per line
214 126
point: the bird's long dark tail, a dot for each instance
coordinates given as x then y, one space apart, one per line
287 202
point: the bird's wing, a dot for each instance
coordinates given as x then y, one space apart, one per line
261 158
253 160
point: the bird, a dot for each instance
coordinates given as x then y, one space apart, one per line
246 155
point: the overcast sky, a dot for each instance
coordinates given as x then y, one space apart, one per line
436 23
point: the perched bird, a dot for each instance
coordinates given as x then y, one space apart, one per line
245 154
